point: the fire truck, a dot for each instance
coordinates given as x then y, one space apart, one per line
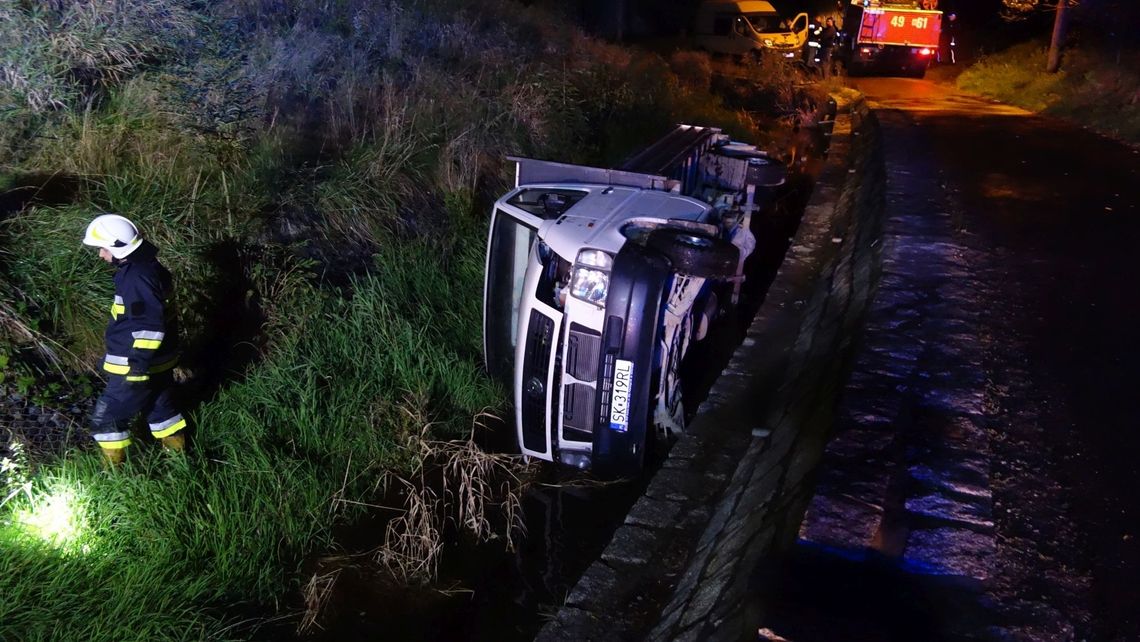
890 36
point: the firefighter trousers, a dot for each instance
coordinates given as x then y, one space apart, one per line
122 401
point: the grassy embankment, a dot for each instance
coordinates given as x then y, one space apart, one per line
1093 88
271 149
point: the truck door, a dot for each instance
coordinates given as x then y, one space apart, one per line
800 28
508 253
514 226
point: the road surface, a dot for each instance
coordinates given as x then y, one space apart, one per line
983 482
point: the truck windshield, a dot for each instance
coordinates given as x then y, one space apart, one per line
507 258
766 23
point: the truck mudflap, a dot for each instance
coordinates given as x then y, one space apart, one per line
628 360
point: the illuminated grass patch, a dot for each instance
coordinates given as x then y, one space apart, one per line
54 517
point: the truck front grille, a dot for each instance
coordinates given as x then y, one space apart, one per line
578 412
582 353
536 366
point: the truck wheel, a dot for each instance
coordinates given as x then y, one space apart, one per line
695 254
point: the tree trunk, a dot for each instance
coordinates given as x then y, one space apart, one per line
1054 62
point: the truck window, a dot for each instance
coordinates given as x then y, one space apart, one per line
740 27
507 261
546 202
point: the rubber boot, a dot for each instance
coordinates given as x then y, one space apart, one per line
175 442
114 457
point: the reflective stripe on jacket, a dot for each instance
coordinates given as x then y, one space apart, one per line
142 335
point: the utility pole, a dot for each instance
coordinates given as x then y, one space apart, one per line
1054 62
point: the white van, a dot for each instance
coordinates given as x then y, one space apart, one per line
740 27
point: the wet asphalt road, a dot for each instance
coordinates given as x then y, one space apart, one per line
1002 354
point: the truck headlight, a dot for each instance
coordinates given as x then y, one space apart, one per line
590 279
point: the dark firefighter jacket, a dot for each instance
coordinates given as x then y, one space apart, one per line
142 336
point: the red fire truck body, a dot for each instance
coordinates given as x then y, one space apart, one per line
888 36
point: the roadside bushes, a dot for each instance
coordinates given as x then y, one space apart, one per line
1094 88
693 68
399 105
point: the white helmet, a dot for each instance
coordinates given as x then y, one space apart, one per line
114 232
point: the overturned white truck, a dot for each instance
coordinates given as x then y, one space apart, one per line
598 281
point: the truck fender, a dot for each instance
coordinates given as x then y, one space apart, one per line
637 286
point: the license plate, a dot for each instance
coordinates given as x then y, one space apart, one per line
619 400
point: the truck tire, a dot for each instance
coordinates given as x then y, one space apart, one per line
695 254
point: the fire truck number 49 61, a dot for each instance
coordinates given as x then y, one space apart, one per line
921 22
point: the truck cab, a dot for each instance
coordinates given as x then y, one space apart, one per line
742 27
599 280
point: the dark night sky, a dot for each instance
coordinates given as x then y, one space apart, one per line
668 16
974 11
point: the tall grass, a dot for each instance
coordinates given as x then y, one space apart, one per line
60 54
325 416
53 50
139 161
136 161
339 387
362 196
60 278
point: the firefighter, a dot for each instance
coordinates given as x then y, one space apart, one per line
141 340
949 41
812 50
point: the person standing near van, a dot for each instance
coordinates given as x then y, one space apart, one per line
828 38
141 340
